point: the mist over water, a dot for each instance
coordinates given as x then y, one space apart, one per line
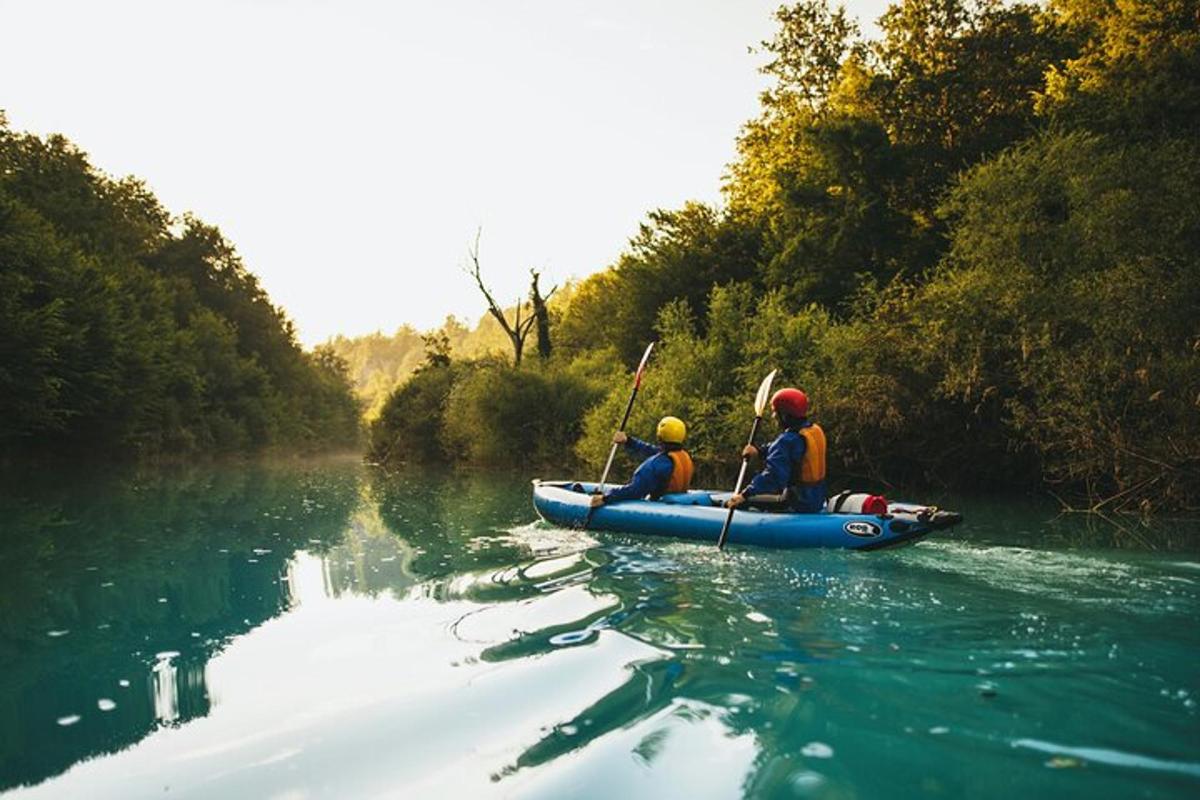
323 630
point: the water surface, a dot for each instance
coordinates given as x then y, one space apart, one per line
320 630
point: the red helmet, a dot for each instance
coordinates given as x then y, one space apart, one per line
792 402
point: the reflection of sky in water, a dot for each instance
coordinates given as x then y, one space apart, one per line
432 640
373 693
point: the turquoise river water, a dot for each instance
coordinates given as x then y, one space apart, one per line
324 630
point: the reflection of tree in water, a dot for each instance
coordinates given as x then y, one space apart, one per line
453 523
119 589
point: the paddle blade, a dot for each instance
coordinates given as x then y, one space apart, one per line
637 378
764 394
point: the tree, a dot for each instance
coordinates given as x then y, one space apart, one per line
517 330
676 255
1139 70
437 348
808 51
542 314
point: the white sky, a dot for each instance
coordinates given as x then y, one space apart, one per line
351 148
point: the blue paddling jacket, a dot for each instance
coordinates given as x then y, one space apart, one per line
792 454
654 476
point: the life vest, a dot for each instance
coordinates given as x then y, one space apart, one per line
681 475
812 468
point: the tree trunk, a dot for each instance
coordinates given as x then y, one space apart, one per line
541 314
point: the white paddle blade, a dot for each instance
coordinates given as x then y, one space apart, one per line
764 394
637 378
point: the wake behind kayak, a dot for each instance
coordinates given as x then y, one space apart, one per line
698 515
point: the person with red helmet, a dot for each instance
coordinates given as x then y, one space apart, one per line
794 469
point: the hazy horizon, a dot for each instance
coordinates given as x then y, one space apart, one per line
351 151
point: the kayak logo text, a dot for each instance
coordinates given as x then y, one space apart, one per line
858 528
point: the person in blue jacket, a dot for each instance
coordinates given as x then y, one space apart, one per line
794 473
667 467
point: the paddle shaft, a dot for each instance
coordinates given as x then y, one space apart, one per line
624 421
738 487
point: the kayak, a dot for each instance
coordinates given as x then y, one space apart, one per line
698 515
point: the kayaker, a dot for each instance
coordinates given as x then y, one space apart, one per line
666 468
794 474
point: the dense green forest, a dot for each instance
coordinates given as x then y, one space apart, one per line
128 332
973 240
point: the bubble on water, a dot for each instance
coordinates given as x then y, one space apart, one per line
817 750
807 781
70 719
105 704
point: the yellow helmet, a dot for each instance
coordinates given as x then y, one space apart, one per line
671 430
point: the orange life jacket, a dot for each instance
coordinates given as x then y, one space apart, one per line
681 475
812 468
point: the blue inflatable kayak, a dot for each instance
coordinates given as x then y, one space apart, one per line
698 515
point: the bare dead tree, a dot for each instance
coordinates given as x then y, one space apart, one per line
541 313
519 328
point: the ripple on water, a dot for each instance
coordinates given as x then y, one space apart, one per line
1060 575
1115 758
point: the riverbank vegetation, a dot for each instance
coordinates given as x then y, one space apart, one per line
128 332
973 240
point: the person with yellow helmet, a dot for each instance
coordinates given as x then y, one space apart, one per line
794 473
666 468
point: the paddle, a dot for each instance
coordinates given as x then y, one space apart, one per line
760 406
637 384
